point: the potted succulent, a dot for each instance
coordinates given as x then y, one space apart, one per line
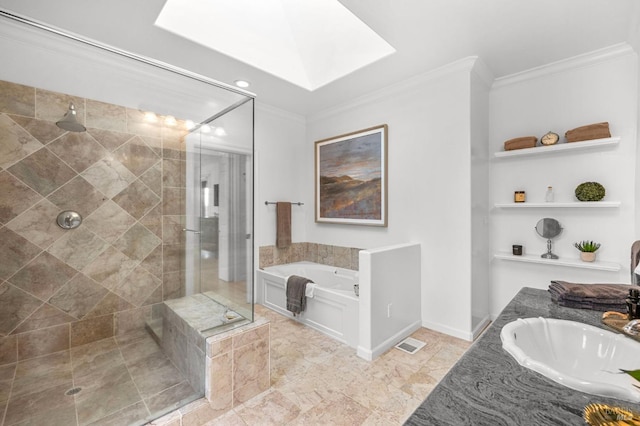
587 250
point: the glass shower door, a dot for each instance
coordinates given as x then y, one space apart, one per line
225 231
218 223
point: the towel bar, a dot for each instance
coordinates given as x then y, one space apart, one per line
266 203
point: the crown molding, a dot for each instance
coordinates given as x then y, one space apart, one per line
580 61
464 64
481 70
269 109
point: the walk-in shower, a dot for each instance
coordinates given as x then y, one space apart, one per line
104 315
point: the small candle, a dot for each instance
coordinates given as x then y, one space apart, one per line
519 196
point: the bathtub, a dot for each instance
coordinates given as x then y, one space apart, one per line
334 307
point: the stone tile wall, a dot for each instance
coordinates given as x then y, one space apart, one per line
125 176
237 369
237 365
341 257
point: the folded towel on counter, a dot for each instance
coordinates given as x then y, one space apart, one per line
598 297
602 293
591 306
295 291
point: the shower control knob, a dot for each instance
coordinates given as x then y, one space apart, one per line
69 219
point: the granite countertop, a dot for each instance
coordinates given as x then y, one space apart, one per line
488 387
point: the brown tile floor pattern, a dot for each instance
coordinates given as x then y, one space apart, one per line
124 379
318 381
314 380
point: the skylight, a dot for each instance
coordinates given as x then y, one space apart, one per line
309 43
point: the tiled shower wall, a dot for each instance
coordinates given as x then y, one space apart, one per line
125 176
341 257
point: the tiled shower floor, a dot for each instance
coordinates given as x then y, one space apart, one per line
124 380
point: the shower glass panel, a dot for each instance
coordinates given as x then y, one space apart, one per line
219 218
100 321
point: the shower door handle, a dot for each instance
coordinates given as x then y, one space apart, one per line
190 230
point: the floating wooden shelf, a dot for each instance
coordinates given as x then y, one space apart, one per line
567 146
562 205
572 263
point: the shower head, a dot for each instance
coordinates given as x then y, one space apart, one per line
70 122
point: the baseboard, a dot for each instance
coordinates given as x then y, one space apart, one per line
371 354
440 328
364 353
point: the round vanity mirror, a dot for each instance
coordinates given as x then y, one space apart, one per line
548 228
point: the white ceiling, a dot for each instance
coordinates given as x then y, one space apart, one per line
508 35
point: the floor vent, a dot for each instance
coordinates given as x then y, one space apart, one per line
410 345
73 391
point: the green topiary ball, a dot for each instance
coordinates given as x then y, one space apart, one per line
590 191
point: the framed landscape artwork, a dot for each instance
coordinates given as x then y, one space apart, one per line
351 178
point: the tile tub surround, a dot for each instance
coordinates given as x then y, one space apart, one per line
341 257
61 289
488 387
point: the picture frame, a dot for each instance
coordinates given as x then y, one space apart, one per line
351 178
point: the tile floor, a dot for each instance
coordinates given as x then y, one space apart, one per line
318 381
124 380
314 380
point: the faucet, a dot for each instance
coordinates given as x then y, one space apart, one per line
632 328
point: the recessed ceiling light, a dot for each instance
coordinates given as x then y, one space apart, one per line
150 117
170 120
242 83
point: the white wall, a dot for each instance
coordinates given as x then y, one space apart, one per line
429 183
390 282
601 86
281 162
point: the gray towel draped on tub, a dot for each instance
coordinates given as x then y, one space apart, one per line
296 299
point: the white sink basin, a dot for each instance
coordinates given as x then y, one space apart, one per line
576 355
